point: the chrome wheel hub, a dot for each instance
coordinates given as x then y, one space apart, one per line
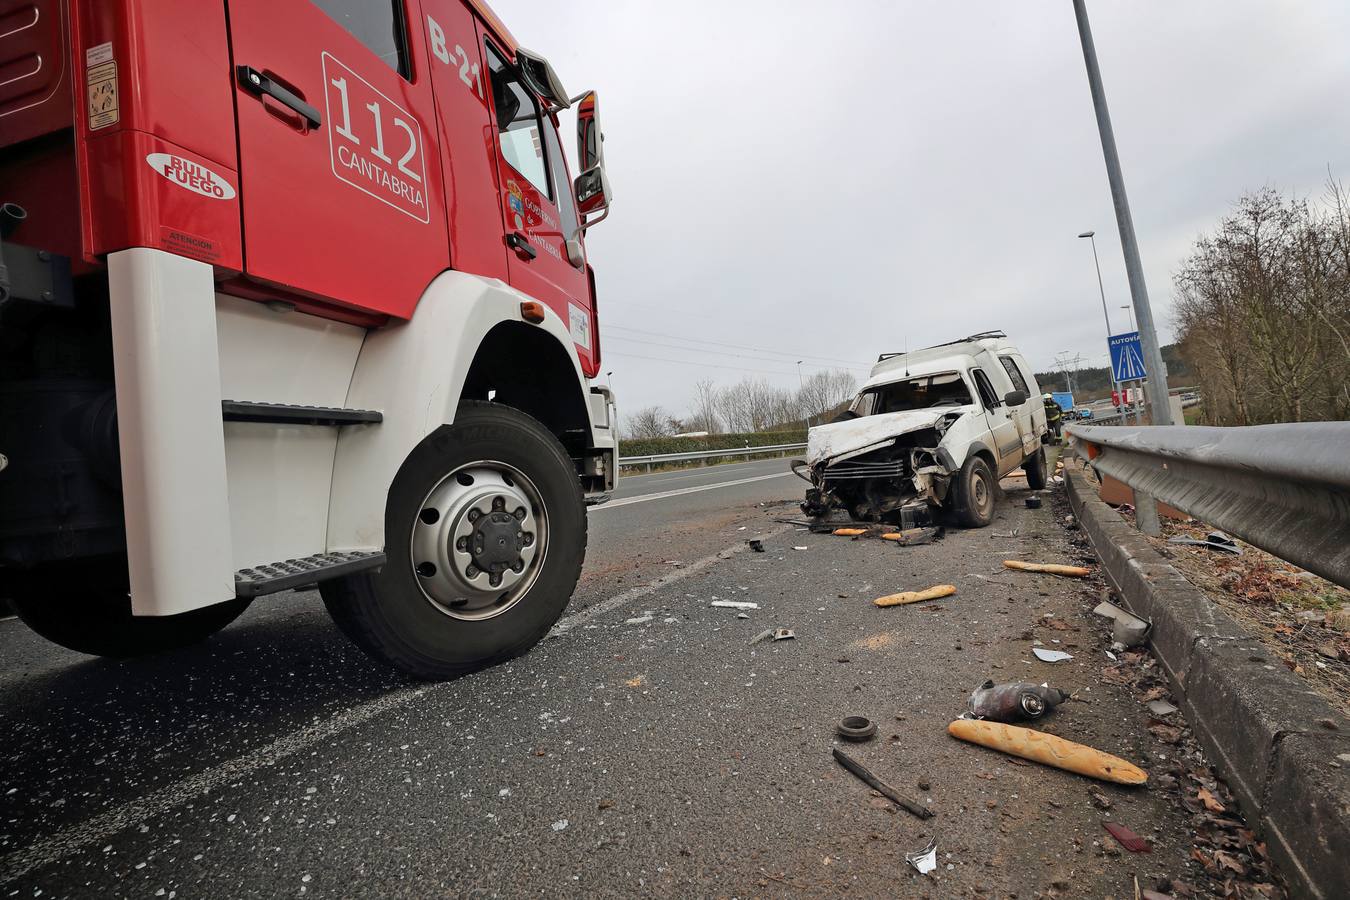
479 540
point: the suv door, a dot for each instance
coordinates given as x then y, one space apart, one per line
339 172
538 213
1003 427
1023 414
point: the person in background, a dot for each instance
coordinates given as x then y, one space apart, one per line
1054 416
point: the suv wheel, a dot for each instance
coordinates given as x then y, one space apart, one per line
975 493
1037 469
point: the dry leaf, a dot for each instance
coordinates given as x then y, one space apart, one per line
1210 802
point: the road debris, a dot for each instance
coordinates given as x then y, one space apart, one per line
1127 629
762 636
801 548
1215 540
924 860
638 620
1047 568
1014 702
756 544
849 532
1127 838
1048 750
856 728
1033 502
734 604
916 537
784 634
882 787
1051 656
932 593
1161 708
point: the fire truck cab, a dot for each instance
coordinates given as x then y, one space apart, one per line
294 292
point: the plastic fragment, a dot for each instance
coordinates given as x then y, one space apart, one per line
1050 656
734 604
924 860
1161 708
1127 838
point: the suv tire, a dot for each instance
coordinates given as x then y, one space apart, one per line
975 493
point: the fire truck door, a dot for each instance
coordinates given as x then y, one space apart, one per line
538 212
339 170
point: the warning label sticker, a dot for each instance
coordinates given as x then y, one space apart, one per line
101 80
580 326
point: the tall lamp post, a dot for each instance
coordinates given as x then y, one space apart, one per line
1146 509
1129 311
1092 237
801 390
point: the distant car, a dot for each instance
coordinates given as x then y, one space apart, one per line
930 430
1083 412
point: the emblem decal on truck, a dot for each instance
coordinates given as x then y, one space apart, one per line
193 176
374 144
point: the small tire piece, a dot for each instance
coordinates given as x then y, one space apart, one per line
485 533
85 606
1037 469
975 493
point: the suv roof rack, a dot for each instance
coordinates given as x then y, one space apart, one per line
995 333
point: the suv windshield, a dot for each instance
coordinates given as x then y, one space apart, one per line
943 389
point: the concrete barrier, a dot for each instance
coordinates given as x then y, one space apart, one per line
1282 748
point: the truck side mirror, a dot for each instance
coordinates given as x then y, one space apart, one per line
590 140
592 191
1015 398
536 72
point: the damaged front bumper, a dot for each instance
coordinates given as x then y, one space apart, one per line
900 479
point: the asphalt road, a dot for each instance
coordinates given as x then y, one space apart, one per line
645 749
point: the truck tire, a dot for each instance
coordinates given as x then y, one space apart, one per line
1037 469
485 533
975 493
86 606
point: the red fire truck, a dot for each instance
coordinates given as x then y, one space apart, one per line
294 292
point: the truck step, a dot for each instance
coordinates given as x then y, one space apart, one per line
293 573
287 414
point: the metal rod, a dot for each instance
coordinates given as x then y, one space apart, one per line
1110 369
880 786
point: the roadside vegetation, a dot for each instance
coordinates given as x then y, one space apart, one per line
1263 310
750 407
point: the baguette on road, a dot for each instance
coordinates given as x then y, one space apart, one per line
849 532
1047 749
932 593
1050 568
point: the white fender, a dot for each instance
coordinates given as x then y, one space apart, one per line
414 373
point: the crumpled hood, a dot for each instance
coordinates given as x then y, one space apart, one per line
828 442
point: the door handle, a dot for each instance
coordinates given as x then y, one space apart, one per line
517 242
258 84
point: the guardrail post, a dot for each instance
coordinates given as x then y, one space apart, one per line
1146 514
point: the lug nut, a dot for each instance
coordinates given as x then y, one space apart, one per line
495 580
474 515
519 514
472 571
462 544
518 566
529 538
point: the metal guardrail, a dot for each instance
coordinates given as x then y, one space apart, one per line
1283 488
695 455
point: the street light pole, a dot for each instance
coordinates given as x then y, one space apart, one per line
1146 509
1115 386
801 390
1129 310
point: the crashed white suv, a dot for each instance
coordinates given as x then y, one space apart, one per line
930 431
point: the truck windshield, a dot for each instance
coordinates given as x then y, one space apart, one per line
944 389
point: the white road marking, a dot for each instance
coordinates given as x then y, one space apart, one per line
661 495
69 841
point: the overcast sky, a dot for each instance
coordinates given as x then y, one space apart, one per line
828 181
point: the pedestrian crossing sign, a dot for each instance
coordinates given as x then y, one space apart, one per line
1127 359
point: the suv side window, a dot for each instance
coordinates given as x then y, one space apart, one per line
987 394
520 133
1018 382
376 23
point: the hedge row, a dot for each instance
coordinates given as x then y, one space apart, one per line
652 446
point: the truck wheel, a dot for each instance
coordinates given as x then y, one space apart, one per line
975 494
485 532
86 606
1037 469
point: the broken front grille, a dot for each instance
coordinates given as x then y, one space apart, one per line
851 469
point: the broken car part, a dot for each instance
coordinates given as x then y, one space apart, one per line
932 593
1047 568
784 634
1051 656
1033 502
1014 702
1127 629
1048 750
1127 838
924 860
916 537
1215 540
756 544
880 786
856 728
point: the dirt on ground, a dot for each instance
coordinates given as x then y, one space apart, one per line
1302 618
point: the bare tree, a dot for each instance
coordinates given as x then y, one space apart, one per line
825 391
703 414
649 422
